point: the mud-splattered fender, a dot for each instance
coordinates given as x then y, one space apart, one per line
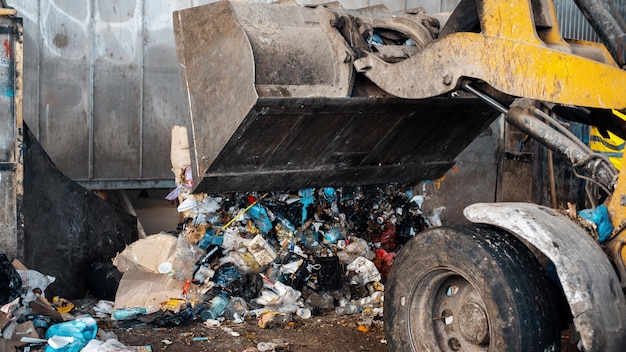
589 281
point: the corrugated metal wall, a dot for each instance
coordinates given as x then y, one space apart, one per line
102 89
573 24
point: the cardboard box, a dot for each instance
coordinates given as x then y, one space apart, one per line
146 290
146 254
25 329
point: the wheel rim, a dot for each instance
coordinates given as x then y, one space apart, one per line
447 313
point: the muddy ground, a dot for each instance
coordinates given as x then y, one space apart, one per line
329 333
326 332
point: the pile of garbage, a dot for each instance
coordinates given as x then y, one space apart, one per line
272 257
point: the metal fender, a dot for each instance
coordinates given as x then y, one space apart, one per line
589 281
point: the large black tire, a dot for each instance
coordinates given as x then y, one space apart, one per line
472 288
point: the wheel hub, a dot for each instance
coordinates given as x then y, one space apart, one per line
473 323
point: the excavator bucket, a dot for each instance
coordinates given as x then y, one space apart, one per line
284 96
276 104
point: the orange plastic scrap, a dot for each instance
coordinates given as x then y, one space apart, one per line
186 287
362 328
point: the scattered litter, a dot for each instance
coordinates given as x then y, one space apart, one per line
276 259
103 308
110 345
231 331
272 345
362 328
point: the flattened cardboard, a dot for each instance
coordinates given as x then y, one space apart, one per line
18 265
41 306
147 290
26 329
146 254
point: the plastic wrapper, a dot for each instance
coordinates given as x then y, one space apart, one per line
365 269
34 284
185 258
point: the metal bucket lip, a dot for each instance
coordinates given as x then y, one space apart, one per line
282 144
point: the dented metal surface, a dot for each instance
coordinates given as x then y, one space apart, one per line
588 279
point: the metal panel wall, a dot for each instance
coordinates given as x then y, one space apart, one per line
102 87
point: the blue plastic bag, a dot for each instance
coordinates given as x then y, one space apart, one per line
306 199
261 218
83 330
600 217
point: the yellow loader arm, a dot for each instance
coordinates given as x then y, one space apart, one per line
518 51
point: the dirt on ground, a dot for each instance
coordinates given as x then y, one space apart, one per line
329 332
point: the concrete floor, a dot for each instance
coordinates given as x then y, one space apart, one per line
155 213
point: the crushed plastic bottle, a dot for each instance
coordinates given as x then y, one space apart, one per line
348 309
127 313
366 317
236 310
320 302
216 307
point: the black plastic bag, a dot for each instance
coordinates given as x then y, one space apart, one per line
330 273
10 281
103 280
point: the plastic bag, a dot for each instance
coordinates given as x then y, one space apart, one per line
110 345
82 330
366 270
600 217
10 281
185 257
35 284
103 280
